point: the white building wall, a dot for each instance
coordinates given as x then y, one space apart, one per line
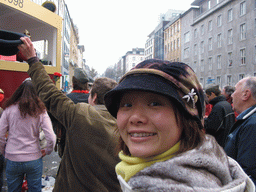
149 48
132 60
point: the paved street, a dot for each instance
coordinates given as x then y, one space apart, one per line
50 163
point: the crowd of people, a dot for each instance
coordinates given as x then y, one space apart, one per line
155 130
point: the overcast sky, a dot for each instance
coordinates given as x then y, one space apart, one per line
108 29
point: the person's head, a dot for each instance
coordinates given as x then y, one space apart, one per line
212 92
29 102
227 91
99 88
157 104
80 79
1 95
245 94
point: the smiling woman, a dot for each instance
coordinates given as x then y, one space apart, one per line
159 108
147 123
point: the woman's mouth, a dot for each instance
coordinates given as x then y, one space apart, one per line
142 134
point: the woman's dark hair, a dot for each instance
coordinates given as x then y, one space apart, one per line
191 136
27 99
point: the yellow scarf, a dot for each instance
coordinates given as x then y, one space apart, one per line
129 165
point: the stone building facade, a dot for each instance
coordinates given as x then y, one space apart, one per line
218 40
172 34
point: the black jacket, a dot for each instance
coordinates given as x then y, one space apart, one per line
78 97
220 120
241 143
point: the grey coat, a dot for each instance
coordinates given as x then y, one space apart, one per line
204 169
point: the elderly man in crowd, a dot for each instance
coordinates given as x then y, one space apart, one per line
241 142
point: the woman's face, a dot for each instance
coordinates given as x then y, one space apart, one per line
147 123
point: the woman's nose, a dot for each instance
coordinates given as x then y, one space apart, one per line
138 115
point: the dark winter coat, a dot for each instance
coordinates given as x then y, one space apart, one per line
78 97
89 159
241 142
220 120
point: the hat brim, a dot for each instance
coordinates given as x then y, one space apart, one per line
9 42
142 82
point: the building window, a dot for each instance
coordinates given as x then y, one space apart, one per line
230 61
255 53
230 15
202 65
219 40
241 76
174 45
219 20
209 4
186 52
230 36
210 63
217 1
229 79
178 43
242 8
195 49
201 80
195 33
195 66
219 62
178 26
210 43
187 37
200 9
210 80
210 25
218 80
202 29
202 46
243 56
255 26
243 31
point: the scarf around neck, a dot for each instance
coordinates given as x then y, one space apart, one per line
130 165
80 91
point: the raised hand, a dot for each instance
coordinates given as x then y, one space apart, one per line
27 49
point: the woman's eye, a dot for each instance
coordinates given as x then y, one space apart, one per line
126 105
155 104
